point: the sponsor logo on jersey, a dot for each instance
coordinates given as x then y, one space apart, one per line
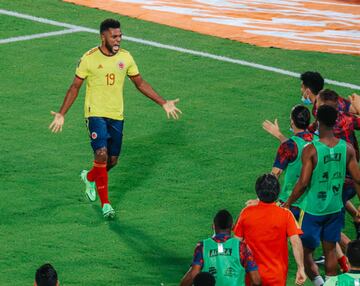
121 65
230 271
336 189
214 252
322 195
325 177
332 157
100 66
94 135
337 175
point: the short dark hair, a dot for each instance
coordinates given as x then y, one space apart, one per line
204 279
109 23
267 188
327 115
353 253
301 116
223 220
328 95
46 275
312 80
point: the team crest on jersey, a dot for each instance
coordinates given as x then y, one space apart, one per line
94 135
121 65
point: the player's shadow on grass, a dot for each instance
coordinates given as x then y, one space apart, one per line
140 157
163 261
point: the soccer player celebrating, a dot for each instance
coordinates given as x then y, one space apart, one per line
105 69
324 165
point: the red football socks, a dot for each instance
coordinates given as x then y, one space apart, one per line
99 174
343 264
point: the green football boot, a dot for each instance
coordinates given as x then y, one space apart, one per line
108 211
90 190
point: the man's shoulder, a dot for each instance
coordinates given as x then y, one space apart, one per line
124 54
124 51
91 52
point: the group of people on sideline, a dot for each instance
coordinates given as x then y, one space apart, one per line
321 176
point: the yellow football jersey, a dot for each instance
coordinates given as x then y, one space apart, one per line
105 76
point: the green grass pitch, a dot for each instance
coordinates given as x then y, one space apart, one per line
172 176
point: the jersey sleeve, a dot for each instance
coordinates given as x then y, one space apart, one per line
292 227
198 258
344 104
82 70
132 68
247 258
356 122
286 154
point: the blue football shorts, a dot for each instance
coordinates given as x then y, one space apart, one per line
106 132
318 228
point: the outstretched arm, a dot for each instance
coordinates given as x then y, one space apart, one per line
145 88
274 130
188 278
72 93
299 258
255 278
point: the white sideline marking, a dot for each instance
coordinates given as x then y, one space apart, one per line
174 48
38 36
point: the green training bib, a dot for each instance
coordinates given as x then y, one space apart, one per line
223 261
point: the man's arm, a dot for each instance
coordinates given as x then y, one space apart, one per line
274 130
305 176
190 275
352 166
72 93
249 264
255 278
145 88
299 258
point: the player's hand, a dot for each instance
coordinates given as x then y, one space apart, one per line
356 217
355 101
285 205
272 128
58 122
300 277
252 202
171 109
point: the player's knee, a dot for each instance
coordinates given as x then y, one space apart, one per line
101 155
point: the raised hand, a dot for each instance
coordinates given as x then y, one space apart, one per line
274 129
